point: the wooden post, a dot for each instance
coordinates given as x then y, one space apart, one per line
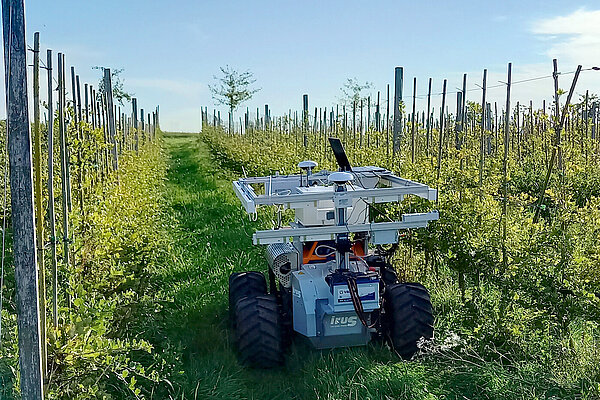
135 124
441 136
377 115
354 122
153 123
105 131
21 186
505 168
305 118
345 123
412 132
93 106
458 121
63 157
267 117
39 211
368 113
397 130
360 125
464 106
483 110
67 144
87 102
428 118
387 124
78 98
111 118
77 119
143 127
51 217
586 118
496 128
556 113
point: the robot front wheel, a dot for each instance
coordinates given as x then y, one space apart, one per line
261 332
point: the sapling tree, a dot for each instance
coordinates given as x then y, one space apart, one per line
118 91
232 88
353 92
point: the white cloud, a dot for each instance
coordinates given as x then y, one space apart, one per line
576 37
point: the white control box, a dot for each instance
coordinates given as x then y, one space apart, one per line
322 212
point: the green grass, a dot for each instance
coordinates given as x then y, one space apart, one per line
185 317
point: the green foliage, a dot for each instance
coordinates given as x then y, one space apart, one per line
519 318
89 357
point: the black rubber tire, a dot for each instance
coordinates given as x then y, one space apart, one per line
409 317
244 284
259 332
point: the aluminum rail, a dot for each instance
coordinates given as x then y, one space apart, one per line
399 188
381 232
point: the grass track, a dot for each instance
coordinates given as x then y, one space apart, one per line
188 313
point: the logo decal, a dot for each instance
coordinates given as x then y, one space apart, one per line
339 322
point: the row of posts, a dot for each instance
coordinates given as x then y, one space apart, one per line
96 110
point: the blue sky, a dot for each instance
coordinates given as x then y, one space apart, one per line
170 50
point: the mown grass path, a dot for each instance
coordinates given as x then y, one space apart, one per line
211 239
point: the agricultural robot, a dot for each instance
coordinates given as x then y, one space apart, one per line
329 278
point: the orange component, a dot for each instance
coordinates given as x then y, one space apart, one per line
357 248
309 252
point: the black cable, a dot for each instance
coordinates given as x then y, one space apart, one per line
358 308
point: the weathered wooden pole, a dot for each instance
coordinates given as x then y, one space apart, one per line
67 143
586 118
304 118
345 123
378 115
556 113
135 124
143 126
496 127
111 118
78 98
105 151
63 157
21 186
387 124
77 119
505 168
412 132
354 122
93 106
51 217
397 128
428 117
483 109
360 125
458 121
38 194
441 136
87 102
464 106
267 121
